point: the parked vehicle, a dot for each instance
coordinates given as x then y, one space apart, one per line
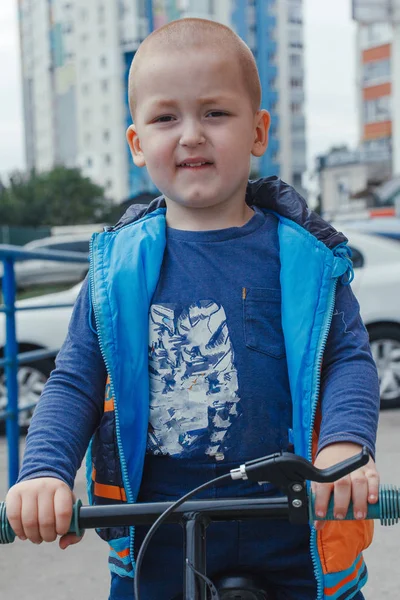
37 329
377 286
376 262
36 272
384 226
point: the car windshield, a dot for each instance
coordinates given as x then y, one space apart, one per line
75 246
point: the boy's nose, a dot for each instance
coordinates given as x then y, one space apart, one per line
192 134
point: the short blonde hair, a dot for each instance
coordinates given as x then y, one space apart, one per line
198 33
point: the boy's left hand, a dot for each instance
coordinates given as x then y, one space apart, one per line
360 486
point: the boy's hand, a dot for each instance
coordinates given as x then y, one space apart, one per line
40 510
360 486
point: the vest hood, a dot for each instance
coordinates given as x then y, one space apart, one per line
268 192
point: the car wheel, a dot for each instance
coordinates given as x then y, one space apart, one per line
385 347
31 380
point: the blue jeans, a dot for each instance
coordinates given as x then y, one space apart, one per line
275 550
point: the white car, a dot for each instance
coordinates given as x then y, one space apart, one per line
38 271
42 328
376 284
376 262
383 226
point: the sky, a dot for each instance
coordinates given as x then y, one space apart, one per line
330 84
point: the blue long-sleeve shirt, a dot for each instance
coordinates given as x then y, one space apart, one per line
72 402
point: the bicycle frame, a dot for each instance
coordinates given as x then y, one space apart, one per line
194 516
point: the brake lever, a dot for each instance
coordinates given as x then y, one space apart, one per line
343 468
289 472
285 469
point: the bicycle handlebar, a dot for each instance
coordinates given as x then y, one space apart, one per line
285 470
387 510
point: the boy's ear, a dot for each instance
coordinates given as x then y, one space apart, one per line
134 145
262 121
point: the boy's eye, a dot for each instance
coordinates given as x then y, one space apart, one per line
217 113
163 119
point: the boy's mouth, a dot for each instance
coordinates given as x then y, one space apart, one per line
195 163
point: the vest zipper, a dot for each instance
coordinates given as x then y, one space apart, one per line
127 486
318 367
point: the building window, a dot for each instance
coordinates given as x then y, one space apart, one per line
375 34
299 145
103 61
67 28
298 125
376 70
297 180
106 135
104 85
295 13
380 144
89 162
109 184
101 14
198 6
85 89
295 60
122 9
296 82
142 9
378 109
295 36
107 159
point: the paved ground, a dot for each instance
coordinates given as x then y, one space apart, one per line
46 573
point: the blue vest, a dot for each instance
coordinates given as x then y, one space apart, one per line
124 270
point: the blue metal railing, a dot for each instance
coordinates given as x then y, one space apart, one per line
12 359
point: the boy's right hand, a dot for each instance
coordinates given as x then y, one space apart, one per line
40 510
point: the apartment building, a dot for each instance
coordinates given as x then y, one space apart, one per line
75 59
378 78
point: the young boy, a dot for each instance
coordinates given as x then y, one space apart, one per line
219 322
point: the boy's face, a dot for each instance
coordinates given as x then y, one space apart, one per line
195 128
